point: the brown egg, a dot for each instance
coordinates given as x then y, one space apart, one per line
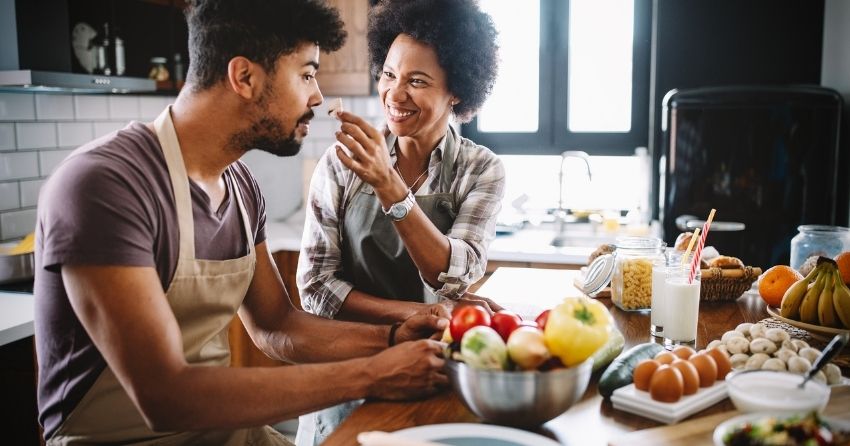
724 365
690 376
643 373
666 384
706 367
683 351
665 357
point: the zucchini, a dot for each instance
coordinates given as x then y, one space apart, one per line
619 373
609 351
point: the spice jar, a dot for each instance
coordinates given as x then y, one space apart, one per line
158 71
818 240
631 282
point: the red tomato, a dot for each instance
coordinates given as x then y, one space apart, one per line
466 317
542 318
505 322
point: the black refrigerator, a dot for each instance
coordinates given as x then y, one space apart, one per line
766 157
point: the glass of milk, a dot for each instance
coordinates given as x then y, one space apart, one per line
681 302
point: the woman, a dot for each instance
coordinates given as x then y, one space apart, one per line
399 223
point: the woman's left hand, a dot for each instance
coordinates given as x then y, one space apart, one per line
369 159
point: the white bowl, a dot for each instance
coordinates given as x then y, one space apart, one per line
730 425
766 390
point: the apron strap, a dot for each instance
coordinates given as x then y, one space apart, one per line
179 182
249 234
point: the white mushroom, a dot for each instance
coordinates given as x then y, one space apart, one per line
789 344
744 328
713 344
762 345
820 377
809 353
739 360
777 335
800 344
737 345
798 364
833 374
785 354
755 362
732 334
773 364
757 330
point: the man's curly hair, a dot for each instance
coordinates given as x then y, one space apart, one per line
260 30
463 36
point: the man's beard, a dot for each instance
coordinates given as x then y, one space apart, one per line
267 134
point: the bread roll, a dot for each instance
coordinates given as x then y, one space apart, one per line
683 240
726 262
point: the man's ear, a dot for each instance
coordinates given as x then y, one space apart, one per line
244 77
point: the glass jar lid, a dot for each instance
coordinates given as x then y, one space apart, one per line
822 228
639 243
598 274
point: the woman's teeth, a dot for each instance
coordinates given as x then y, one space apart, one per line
396 113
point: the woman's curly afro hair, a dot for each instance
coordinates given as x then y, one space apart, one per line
462 35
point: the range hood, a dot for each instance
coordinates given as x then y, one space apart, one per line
51 81
35 53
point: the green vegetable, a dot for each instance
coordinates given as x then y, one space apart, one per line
610 350
619 373
483 348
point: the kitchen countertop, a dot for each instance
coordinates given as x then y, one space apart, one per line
16 316
529 245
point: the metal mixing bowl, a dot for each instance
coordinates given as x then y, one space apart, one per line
16 267
521 399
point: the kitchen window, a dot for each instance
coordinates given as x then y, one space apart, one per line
574 74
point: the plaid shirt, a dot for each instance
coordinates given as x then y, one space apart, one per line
478 185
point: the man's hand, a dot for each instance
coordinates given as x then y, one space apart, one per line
409 370
428 323
473 299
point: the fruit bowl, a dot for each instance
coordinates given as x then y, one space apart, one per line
818 332
520 399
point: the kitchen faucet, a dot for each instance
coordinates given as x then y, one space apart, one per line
560 215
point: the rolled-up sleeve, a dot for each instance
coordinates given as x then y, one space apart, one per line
320 262
475 225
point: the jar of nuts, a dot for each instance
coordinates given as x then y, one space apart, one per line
631 282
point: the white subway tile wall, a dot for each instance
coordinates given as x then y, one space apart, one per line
38 131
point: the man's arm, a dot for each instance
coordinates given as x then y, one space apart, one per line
285 333
127 316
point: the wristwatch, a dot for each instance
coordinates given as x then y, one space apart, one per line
398 211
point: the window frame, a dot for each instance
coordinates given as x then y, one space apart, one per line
553 136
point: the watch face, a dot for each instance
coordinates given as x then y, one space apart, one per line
398 211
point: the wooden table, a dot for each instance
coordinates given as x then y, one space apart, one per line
591 421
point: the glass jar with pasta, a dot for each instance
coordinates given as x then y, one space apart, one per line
631 281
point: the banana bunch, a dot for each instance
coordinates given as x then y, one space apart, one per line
820 298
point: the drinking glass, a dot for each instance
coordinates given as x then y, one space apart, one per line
682 306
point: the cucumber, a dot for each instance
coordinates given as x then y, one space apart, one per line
609 351
619 373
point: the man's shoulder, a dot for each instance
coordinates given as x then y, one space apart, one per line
121 147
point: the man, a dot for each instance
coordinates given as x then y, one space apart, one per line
151 238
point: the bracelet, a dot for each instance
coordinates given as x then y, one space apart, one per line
393 328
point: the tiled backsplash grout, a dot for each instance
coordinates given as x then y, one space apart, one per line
37 131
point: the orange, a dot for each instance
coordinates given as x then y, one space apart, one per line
775 281
843 261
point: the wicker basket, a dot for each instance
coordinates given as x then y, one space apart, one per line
719 285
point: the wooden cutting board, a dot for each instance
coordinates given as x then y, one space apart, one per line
699 431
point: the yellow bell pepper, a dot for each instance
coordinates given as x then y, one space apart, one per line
576 329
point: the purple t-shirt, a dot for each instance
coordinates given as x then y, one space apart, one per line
111 203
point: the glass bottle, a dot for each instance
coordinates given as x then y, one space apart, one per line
631 282
104 52
120 59
818 240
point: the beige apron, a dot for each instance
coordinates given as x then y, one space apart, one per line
204 295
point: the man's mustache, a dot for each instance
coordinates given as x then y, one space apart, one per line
306 117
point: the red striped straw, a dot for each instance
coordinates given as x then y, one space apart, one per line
700 245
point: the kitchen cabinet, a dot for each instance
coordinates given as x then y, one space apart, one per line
346 72
243 352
